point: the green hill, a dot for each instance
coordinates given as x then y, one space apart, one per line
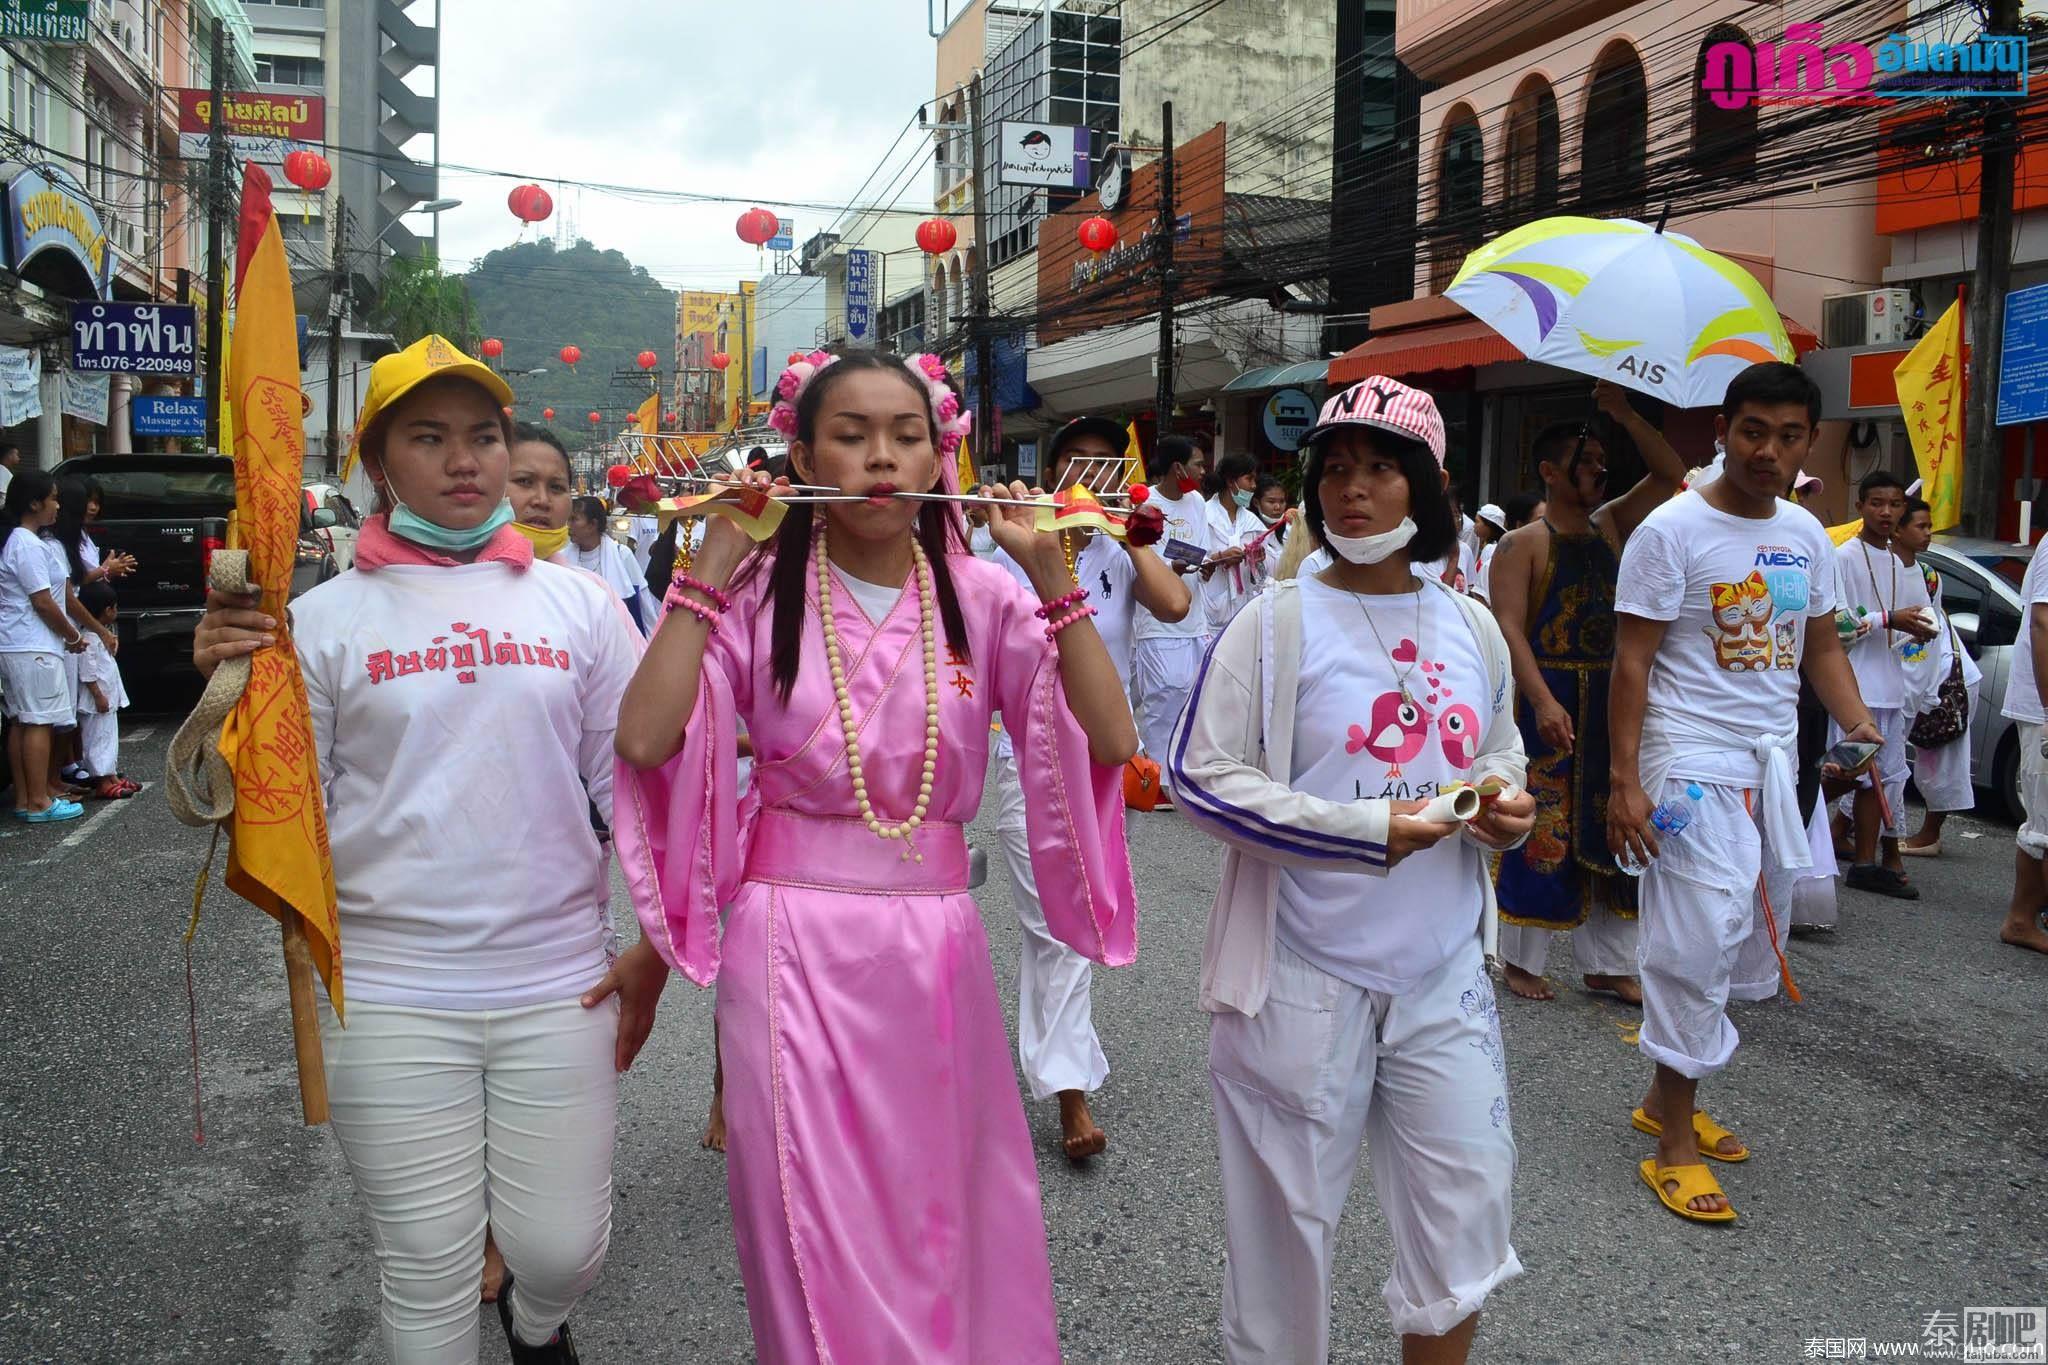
536 300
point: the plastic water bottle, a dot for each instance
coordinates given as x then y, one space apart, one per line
1669 820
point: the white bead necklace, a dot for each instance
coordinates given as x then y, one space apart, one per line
850 730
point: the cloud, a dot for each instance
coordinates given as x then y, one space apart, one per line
794 100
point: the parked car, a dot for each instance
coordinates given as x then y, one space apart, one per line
1980 592
171 513
340 538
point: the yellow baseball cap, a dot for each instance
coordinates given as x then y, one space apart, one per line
431 357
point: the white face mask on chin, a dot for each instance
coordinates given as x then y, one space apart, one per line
1370 549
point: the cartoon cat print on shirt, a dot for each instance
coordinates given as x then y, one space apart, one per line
1741 624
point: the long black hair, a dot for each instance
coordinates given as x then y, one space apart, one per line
1436 535
29 487
789 562
74 496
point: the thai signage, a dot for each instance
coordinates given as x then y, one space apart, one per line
46 21
1800 70
48 211
259 127
134 338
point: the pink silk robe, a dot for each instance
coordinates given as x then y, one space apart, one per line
885 1201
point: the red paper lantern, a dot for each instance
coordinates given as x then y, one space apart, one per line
669 419
596 417
308 170
492 348
619 475
1098 234
935 236
756 226
1139 494
570 355
530 203
648 360
547 414
719 360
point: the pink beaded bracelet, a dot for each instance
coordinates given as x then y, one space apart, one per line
1079 614
708 615
683 580
1048 610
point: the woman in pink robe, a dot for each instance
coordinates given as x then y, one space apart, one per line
885 1201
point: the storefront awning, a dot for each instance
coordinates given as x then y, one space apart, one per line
55 239
1460 344
1279 376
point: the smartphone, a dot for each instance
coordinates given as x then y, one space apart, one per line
1181 552
1852 758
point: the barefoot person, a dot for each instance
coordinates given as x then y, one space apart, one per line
1056 1041
1884 613
1345 972
463 699
884 1197
1939 737
1551 585
1724 597
2026 701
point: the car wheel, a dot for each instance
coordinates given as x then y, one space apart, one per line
2005 776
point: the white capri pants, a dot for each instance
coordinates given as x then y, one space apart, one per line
454 1119
99 741
1891 768
1056 1041
1421 1079
1707 931
1605 945
1163 674
2033 831
1942 774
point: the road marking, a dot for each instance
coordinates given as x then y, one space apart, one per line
79 835
139 734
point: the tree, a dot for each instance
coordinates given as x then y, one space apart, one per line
417 299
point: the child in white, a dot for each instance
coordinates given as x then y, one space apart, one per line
1168 653
100 699
1345 970
1941 772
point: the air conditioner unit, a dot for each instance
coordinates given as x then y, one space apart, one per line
1875 317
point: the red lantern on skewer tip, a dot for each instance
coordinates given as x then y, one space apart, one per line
935 236
648 360
619 475
492 348
669 419
719 360
308 170
795 357
596 417
1139 494
570 355
1097 234
530 203
547 414
756 226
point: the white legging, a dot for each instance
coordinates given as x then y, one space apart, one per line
454 1119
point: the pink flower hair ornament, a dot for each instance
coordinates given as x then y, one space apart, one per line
952 417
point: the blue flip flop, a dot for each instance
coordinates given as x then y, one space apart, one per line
52 813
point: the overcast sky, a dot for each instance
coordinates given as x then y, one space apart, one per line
788 100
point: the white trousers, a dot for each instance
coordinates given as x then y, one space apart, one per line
1056 1041
2033 832
1421 1079
99 740
1605 945
453 1119
1891 768
1942 774
1706 937
1163 674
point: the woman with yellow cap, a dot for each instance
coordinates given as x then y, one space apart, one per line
463 695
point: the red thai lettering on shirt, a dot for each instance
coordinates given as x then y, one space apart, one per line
467 651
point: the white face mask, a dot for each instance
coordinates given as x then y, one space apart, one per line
1370 549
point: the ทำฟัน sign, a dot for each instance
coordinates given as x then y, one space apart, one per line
860 294
1048 154
134 338
259 127
46 21
2023 367
159 415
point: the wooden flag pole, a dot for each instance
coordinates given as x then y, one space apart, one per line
299 976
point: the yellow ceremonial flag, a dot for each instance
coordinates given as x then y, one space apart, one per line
1846 532
966 471
1930 385
1134 458
647 421
278 857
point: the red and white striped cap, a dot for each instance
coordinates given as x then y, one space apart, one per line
1386 404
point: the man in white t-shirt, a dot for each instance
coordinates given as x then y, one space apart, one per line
1723 598
10 456
1056 1041
1883 613
2026 701
1168 654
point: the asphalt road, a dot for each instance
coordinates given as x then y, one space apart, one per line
1898 1115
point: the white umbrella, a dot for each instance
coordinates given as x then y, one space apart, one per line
1620 300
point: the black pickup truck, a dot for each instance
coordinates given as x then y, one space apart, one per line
171 513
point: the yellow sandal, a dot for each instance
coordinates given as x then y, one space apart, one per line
1705 1130
1692 1182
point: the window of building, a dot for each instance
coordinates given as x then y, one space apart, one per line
1723 140
1063 67
296 4
290 71
1612 173
1460 195
1532 151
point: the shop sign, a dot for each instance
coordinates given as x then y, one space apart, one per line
50 212
134 338
259 127
2023 362
1289 414
153 415
860 294
46 21
785 235
1042 154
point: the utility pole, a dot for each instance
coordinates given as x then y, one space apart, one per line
1983 462
984 386
216 230
1163 400
746 362
337 315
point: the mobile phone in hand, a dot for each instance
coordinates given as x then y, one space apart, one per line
1850 758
